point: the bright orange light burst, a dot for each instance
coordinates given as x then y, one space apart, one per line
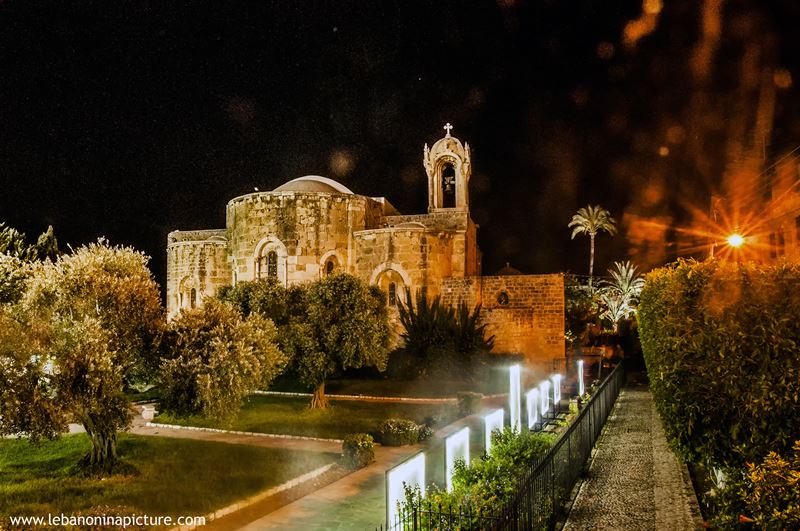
735 240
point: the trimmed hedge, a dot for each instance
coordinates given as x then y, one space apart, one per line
722 346
358 450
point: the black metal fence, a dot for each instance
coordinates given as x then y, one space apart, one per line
544 487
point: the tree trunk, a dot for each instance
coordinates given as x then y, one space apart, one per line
318 399
591 258
103 455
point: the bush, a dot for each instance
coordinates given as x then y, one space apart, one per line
358 450
771 494
441 341
491 481
720 344
399 432
469 403
425 433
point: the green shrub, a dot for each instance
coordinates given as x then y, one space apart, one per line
490 481
425 433
358 450
771 493
398 432
468 403
441 341
721 346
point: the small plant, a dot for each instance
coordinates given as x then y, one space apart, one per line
358 450
425 433
399 432
468 403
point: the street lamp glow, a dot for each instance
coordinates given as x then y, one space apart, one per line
581 389
735 240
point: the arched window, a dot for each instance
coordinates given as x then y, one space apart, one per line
272 264
329 268
268 265
392 294
448 186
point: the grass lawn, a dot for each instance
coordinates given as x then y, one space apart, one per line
291 416
174 476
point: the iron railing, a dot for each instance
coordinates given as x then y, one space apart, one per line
543 488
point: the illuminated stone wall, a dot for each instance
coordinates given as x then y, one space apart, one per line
309 228
531 322
196 260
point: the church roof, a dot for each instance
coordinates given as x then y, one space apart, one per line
508 271
313 183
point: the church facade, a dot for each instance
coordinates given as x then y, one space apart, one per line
312 226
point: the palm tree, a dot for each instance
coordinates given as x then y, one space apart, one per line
626 283
591 220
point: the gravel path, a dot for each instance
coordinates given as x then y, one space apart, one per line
635 482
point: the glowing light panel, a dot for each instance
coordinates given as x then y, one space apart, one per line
514 397
556 379
544 392
532 405
410 472
491 422
581 388
455 447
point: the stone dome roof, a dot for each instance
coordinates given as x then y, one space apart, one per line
508 271
313 183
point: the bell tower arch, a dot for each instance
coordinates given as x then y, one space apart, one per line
448 166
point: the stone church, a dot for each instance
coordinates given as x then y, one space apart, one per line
313 226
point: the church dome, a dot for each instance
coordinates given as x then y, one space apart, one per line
313 183
508 271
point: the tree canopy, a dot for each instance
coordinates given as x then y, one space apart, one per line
86 326
214 358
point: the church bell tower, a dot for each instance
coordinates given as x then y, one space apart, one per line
448 166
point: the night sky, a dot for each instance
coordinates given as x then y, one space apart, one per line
130 119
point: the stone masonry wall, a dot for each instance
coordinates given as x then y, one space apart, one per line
194 265
424 256
308 224
531 322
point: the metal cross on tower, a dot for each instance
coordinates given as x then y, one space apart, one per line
448 128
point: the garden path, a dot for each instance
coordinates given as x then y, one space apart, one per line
635 482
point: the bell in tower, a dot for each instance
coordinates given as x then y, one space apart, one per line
448 166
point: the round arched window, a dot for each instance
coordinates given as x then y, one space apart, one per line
502 298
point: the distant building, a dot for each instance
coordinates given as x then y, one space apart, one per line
313 226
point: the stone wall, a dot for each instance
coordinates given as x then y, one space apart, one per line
421 256
195 269
451 220
308 225
524 312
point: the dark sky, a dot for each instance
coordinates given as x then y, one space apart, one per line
129 119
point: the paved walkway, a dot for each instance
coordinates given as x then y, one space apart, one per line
635 481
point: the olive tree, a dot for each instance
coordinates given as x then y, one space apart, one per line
213 358
86 326
345 326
